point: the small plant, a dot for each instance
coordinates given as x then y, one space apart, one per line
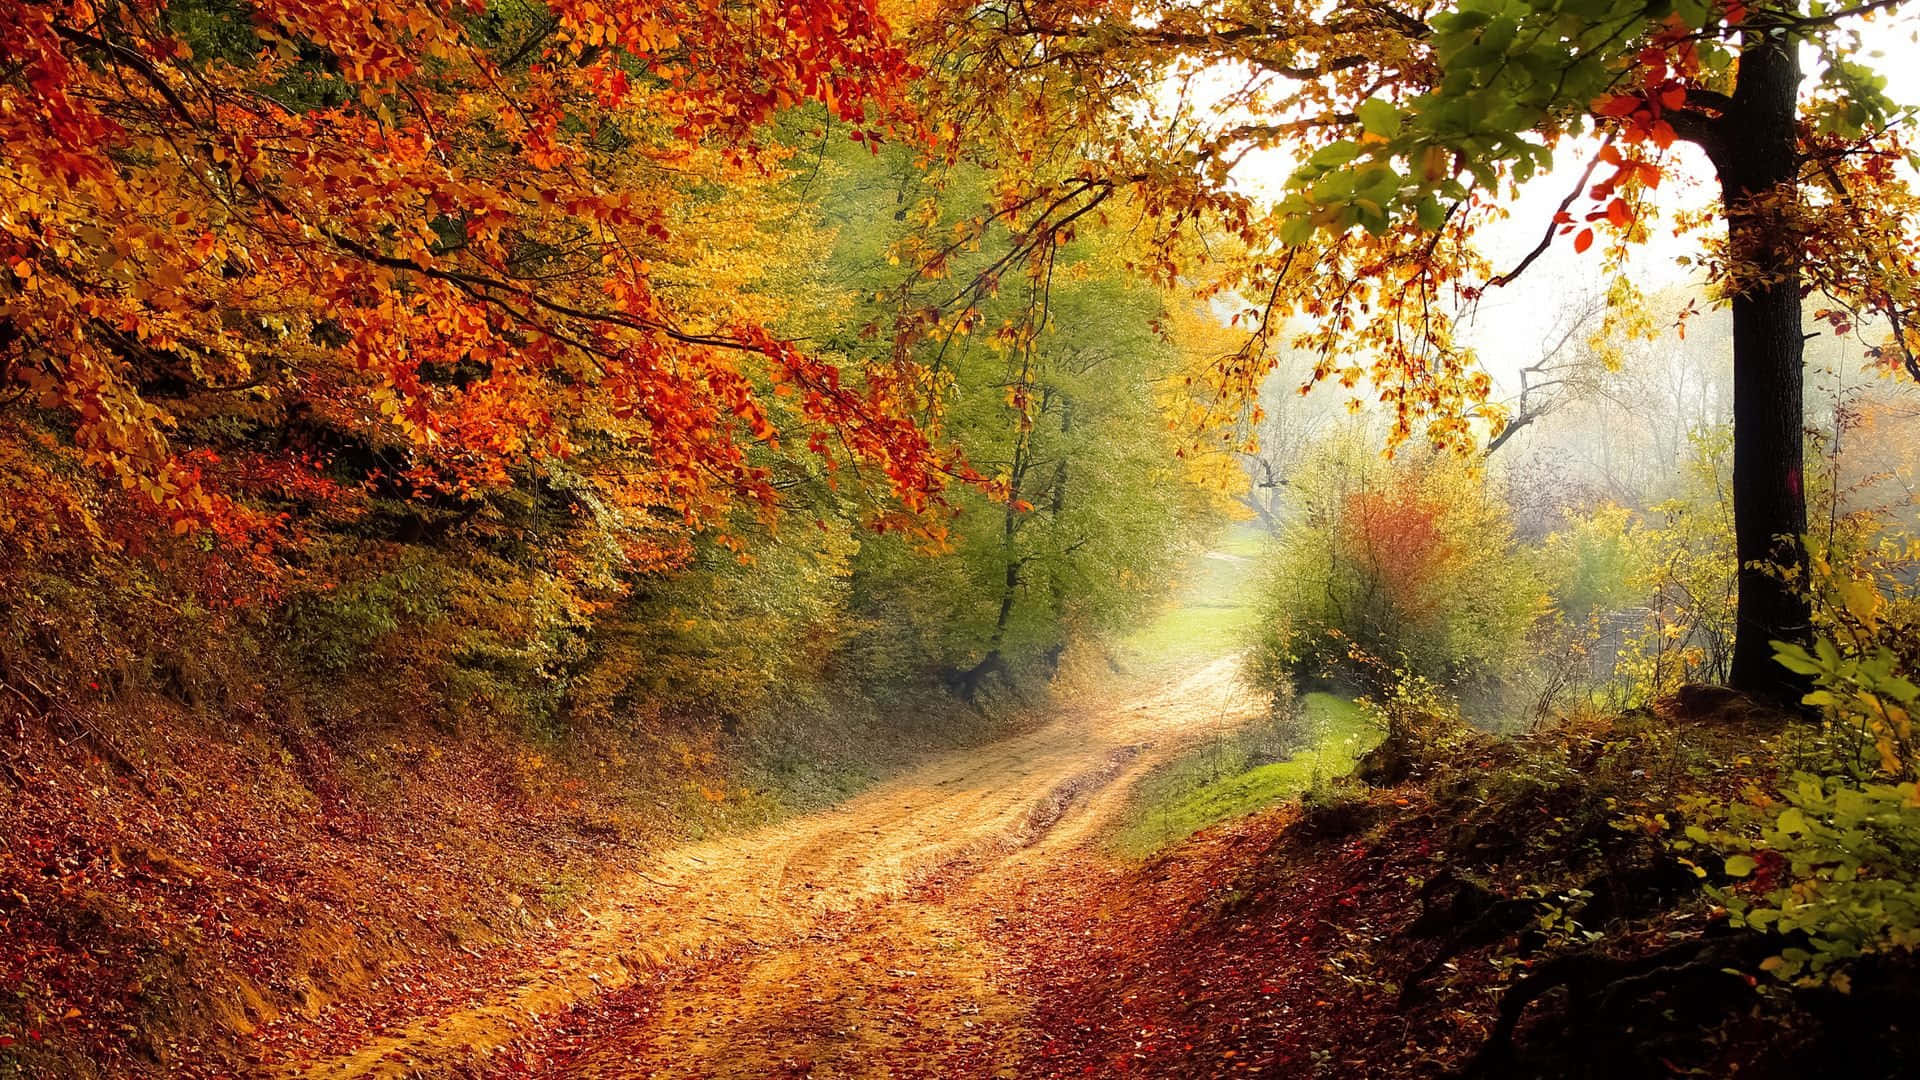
1869 617
1834 867
1414 709
1558 920
1868 704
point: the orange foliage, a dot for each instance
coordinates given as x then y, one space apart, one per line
1399 535
453 243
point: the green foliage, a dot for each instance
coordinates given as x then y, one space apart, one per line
338 628
1413 710
1092 512
1867 609
1663 579
1407 565
1866 698
722 638
1593 565
1832 862
1297 752
1687 570
1656 585
1516 76
1835 868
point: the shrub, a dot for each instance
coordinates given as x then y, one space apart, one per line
1412 562
1836 869
1868 612
1594 562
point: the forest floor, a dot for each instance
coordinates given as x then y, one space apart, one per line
880 938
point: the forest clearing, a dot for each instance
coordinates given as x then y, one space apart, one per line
959 538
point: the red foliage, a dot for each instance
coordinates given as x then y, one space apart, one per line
439 255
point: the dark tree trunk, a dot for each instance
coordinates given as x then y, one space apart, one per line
1757 158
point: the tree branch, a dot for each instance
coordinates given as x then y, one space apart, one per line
1546 239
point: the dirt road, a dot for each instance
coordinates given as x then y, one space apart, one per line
869 940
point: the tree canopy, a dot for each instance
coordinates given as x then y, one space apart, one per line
458 237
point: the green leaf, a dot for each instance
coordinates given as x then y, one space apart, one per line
1465 20
1432 215
1794 658
1740 865
1335 153
1372 216
1379 117
1296 230
1824 649
1335 187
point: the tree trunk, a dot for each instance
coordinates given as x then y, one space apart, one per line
994 661
1057 577
1757 159
1010 584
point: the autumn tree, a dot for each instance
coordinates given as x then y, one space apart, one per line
1049 383
1410 128
1366 584
462 238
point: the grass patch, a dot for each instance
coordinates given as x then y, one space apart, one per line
1214 609
1247 771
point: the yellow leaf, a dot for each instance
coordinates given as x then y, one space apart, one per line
1861 600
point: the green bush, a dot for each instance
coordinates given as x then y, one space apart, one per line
1403 566
1832 862
1838 872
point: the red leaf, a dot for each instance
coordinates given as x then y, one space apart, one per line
1584 240
1617 105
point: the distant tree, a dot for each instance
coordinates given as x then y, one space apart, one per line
1054 387
1565 368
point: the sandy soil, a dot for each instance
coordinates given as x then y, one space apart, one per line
869 940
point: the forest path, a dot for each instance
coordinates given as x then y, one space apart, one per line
866 940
